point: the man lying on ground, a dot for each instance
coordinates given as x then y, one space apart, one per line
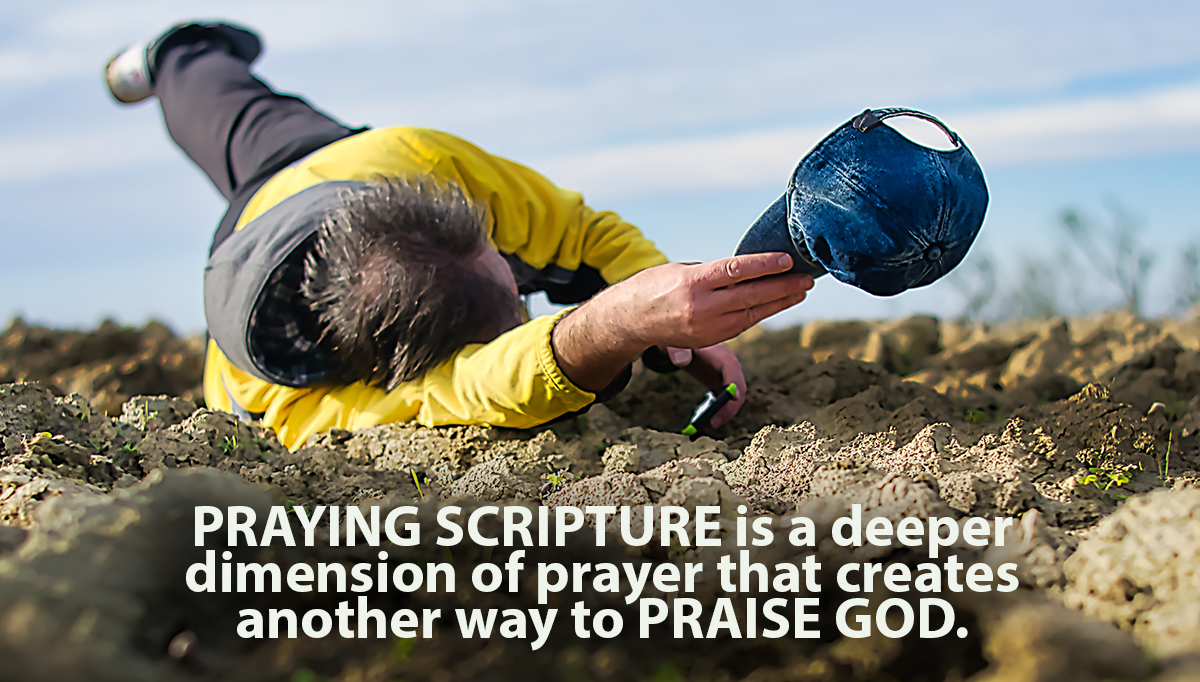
362 277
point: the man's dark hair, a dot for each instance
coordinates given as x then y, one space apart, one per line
393 280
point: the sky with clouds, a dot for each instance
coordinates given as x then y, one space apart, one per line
686 117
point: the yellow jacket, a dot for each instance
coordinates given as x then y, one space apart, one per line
513 381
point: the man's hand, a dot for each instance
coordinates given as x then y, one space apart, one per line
698 305
716 367
683 305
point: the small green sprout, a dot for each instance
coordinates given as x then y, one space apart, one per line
1104 478
419 491
1166 472
230 444
1177 409
290 507
667 672
402 649
554 480
974 416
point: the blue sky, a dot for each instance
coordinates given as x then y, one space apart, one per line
686 117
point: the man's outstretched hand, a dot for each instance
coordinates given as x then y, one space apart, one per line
679 305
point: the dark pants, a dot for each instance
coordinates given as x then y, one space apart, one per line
236 129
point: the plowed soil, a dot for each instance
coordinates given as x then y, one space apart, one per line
1085 430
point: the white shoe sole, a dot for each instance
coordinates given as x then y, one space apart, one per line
128 76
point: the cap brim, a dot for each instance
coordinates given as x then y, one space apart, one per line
770 234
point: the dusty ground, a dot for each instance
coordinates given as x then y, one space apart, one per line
109 365
1085 429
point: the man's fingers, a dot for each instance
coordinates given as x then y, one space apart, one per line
761 312
757 292
727 413
722 273
741 320
680 357
709 375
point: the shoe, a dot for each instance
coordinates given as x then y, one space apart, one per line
130 74
243 43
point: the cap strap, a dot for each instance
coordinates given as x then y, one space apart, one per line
872 118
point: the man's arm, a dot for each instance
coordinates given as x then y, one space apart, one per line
679 305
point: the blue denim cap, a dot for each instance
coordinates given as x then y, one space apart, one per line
875 209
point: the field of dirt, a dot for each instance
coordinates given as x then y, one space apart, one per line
1084 429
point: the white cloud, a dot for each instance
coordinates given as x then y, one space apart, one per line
628 65
66 153
73 39
1165 120
684 166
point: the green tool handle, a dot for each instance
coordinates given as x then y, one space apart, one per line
709 408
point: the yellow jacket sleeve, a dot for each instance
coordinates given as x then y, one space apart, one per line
513 381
